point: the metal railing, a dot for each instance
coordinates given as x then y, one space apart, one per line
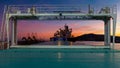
62 9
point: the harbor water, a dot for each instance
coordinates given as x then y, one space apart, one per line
60 58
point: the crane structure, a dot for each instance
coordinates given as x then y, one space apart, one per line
13 13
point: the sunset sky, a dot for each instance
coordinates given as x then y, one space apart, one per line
45 29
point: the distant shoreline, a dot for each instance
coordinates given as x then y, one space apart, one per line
93 37
84 37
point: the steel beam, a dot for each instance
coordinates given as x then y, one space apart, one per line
14 32
107 32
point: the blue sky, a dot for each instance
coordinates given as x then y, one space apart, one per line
59 1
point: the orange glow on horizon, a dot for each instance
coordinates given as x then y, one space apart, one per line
47 35
46 29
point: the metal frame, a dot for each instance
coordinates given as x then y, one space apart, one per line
64 46
103 16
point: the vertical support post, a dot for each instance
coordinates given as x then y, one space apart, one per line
107 32
7 30
114 30
14 31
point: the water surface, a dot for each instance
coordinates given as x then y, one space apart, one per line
59 58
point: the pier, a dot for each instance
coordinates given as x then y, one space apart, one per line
13 13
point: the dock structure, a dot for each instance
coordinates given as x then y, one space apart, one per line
13 13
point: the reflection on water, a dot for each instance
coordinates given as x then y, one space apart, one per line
59 56
78 43
31 58
59 43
